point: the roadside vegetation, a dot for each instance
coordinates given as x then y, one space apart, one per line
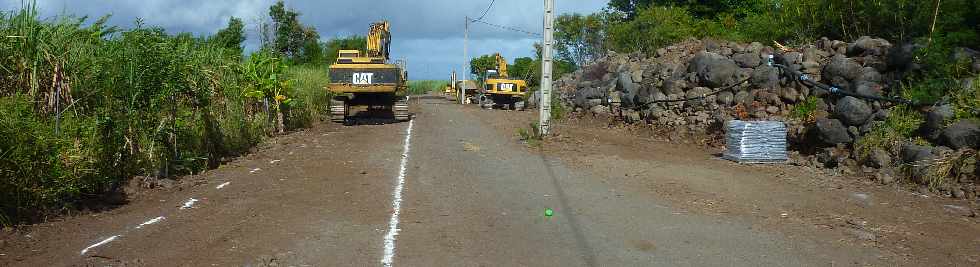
421 87
87 106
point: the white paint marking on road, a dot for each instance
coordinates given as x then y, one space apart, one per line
103 242
220 186
396 204
152 221
189 203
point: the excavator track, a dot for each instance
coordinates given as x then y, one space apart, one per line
400 109
338 111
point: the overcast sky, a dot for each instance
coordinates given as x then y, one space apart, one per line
429 34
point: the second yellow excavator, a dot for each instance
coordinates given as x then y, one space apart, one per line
500 90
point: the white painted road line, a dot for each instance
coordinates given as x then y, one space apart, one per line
189 203
103 242
152 221
389 253
220 186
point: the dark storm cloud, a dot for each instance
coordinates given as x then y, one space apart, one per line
426 33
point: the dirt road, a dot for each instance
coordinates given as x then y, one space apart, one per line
455 187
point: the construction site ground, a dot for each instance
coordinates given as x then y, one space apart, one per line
474 194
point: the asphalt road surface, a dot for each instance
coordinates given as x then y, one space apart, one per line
453 187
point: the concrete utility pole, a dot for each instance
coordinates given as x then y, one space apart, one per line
549 36
466 62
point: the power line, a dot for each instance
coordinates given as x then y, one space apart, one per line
488 9
507 27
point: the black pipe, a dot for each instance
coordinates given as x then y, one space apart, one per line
805 80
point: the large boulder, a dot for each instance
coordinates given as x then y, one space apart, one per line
878 158
919 158
744 98
789 94
869 74
675 86
841 67
963 134
583 96
749 60
754 47
765 77
813 54
852 111
912 154
868 46
868 88
713 70
831 131
936 119
726 98
901 57
629 89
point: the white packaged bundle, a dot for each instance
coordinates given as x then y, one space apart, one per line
755 141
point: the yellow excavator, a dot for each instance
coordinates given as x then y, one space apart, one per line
450 91
368 79
500 90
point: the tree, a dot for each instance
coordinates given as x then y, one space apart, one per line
628 7
332 47
292 39
580 39
653 28
708 9
231 37
480 65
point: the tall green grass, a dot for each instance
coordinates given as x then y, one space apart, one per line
88 106
421 87
310 92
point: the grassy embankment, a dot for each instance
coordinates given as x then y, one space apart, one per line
87 106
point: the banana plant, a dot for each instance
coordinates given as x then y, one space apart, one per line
265 80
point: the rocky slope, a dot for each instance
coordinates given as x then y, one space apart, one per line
695 86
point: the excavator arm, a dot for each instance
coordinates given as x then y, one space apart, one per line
501 66
379 40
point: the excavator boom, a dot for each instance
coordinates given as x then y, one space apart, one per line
378 40
501 66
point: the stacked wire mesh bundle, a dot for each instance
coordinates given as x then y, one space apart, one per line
756 142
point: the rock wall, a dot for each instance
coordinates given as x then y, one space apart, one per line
624 85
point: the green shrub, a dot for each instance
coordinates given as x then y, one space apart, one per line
804 110
898 128
532 135
653 28
966 102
